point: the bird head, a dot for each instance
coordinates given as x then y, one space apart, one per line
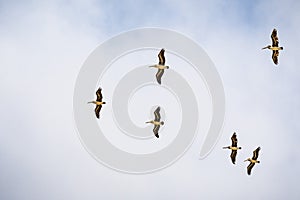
267 47
167 67
162 123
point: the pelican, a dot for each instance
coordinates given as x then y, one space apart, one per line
275 46
156 122
252 160
233 147
98 102
160 66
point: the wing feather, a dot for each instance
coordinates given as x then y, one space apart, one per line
157 114
97 111
274 38
161 57
249 168
255 153
155 130
234 140
159 74
99 94
233 156
275 55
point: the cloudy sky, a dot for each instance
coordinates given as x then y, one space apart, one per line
43 45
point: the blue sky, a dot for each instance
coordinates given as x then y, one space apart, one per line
44 44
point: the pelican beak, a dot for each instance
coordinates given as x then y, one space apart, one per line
265 47
245 160
90 102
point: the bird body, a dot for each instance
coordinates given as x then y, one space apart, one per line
233 148
160 66
98 102
274 47
156 122
252 160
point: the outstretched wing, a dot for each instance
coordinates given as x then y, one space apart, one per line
97 111
157 114
233 156
155 131
161 57
255 153
274 38
99 94
234 140
275 56
159 74
249 168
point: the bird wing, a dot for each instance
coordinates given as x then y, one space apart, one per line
161 57
159 74
99 95
255 153
155 130
233 156
157 114
97 111
275 56
234 140
274 38
249 168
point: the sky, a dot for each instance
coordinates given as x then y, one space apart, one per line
43 47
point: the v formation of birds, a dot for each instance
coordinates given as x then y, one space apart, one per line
161 67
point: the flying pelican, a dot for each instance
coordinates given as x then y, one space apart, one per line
275 46
253 160
233 147
98 102
156 122
160 66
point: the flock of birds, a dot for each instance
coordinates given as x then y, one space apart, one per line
157 118
234 148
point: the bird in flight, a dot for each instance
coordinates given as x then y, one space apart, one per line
233 147
275 46
98 102
252 160
156 122
160 66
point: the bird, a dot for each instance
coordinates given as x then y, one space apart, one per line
98 102
275 46
252 160
160 66
233 147
156 122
